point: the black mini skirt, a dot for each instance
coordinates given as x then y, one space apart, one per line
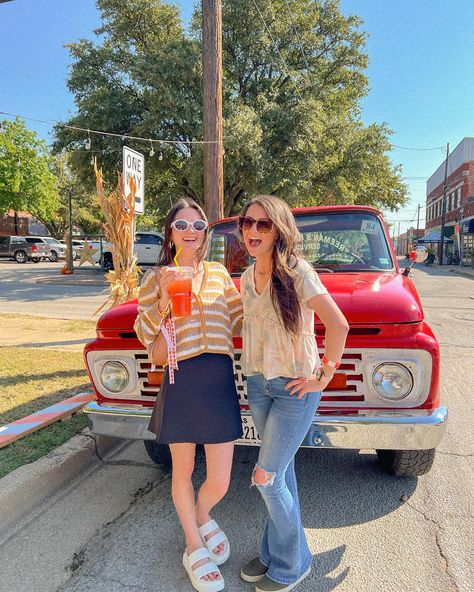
202 405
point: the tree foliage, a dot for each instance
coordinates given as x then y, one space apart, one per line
292 91
27 182
85 209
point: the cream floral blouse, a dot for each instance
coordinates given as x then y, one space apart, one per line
267 348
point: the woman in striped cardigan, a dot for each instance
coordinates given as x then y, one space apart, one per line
198 402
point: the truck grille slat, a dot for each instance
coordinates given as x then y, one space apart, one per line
351 368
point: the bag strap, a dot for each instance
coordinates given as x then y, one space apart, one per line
169 332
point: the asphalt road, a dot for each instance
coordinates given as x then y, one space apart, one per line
40 289
115 530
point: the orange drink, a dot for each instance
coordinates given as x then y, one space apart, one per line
180 292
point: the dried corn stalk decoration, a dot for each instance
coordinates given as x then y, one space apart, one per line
119 212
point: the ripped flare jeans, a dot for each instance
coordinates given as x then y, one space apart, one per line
282 421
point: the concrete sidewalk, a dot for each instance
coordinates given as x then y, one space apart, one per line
448 269
31 485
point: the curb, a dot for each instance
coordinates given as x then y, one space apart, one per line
29 486
463 273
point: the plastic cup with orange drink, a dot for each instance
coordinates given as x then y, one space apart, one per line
180 291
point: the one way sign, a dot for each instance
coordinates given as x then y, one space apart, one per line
134 165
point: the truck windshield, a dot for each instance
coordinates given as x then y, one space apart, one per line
339 242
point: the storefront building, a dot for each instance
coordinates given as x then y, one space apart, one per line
408 240
458 231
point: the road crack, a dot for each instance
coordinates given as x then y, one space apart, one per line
455 454
437 533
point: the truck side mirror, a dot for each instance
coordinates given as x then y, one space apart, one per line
418 255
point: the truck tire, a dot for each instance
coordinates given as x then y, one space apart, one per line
21 257
159 453
406 463
107 262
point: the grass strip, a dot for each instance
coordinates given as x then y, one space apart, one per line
31 379
38 444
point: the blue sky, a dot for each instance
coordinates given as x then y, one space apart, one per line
421 72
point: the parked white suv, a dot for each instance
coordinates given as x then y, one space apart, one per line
76 246
147 247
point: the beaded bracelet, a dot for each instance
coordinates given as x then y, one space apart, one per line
165 313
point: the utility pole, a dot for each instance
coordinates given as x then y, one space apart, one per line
443 209
398 239
212 108
417 223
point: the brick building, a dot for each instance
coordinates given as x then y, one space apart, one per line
21 224
459 206
408 239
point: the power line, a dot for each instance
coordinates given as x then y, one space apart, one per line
296 34
418 149
110 134
276 47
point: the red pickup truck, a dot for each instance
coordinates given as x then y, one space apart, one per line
384 396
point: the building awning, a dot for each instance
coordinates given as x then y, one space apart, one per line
434 236
468 226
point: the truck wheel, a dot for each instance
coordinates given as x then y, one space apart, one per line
107 262
20 257
406 463
159 453
53 257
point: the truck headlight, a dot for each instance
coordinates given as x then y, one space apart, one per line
392 382
114 376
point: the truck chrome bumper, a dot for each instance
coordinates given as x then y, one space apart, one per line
379 429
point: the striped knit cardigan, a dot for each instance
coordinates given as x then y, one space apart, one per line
216 315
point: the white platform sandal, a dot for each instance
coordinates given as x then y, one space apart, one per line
196 574
214 541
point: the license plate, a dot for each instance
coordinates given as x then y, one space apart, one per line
250 436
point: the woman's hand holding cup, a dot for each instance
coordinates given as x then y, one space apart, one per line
165 276
176 285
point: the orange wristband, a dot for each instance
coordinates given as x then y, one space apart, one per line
330 363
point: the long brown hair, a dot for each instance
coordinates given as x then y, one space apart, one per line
168 251
284 259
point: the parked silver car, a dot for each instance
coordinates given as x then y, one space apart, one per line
58 251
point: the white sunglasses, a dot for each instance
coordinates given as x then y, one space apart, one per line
182 225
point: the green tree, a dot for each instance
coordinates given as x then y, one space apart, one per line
292 92
86 211
26 179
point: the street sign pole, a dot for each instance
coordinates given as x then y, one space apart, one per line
134 166
69 237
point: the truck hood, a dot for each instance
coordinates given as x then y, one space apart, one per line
374 298
119 318
364 298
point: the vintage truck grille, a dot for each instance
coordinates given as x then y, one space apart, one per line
143 365
346 390
346 393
